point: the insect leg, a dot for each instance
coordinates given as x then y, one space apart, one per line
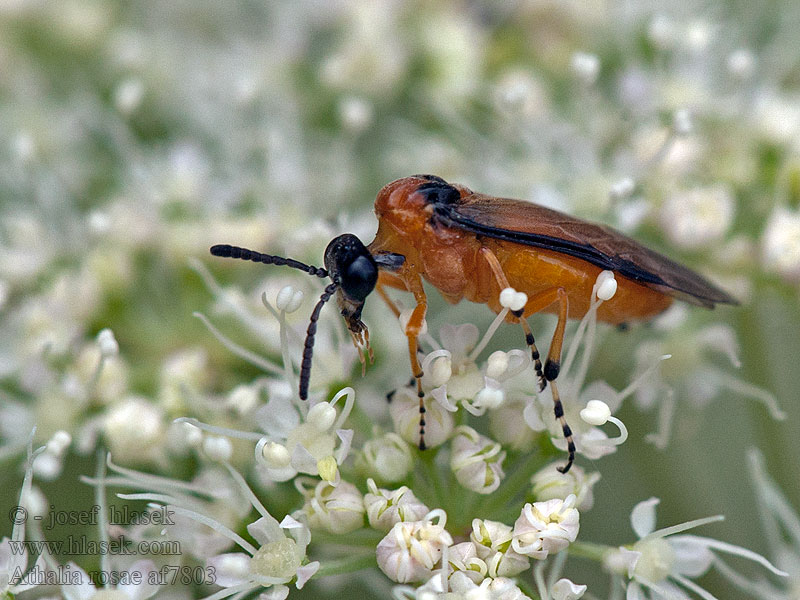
502 281
413 328
553 363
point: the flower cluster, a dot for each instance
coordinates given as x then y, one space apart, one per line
139 134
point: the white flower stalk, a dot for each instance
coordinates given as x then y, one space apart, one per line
385 508
292 444
590 441
546 528
279 558
781 526
387 458
411 551
404 411
549 483
211 493
476 461
705 381
493 545
663 564
13 563
338 509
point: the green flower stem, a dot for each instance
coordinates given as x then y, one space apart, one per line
527 589
588 550
517 482
348 564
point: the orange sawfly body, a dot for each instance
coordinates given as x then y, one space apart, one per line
472 246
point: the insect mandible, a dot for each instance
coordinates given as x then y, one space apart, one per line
472 246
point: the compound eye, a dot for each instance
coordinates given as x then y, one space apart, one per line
359 278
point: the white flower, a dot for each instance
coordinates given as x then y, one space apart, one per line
281 552
546 527
549 483
476 461
464 563
387 458
138 578
778 516
564 589
410 551
385 508
336 509
134 430
661 563
493 545
698 217
780 244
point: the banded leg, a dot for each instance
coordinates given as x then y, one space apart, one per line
502 281
412 332
552 365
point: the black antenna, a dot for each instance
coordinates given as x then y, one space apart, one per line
308 349
226 251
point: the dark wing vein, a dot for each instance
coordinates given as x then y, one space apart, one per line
599 245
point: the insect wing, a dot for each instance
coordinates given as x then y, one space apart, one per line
533 225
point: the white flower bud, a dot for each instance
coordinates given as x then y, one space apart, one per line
596 413
321 416
218 448
385 508
107 343
512 299
337 509
493 545
661 32
133 429
780 244
276 455
586 67
476 461
440 371
545 527
387 458
549 483
58 444
404 411
682 122
606 285
741 64
192 435
489 398
496 364
128 95
356 113
564 589
466 564
289 299
410 551
243 398
47 466
623 188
